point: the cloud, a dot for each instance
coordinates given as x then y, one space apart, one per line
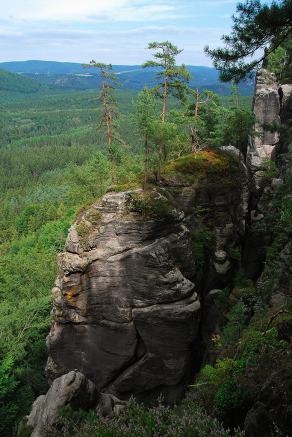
84 10
122 46
114 31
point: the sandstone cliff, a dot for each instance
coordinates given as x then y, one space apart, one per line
127 303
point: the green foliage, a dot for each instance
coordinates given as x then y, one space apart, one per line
256 26
48 171
171 76
146 111
276 60
269 168
203 240
138 421
279 61
17 83
228 394
217 125
149 204
236 128
233 383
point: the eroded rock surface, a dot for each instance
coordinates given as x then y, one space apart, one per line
125 309
72 389
266 108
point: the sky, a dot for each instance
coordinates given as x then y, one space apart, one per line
110 31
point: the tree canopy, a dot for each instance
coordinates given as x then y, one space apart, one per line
173 78
258 30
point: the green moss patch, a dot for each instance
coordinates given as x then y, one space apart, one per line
149 204
190 168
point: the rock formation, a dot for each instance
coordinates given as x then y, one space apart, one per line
266 108
126 306
126 311
132 300
72 389
272 105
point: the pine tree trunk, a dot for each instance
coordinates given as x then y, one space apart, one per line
146 161
164 102
108 125
197 103
107 114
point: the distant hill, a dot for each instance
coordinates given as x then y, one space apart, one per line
68 75
17 82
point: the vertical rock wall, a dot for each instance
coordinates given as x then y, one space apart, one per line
127 302
266 108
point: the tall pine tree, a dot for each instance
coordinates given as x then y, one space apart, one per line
172 78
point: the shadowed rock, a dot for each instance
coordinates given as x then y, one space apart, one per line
72 389
125 312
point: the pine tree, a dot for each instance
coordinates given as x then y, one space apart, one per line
257 28
109 82
201 99
172 78
145 114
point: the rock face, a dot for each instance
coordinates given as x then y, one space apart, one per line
272 105
266 108
132 303
126 311
72 389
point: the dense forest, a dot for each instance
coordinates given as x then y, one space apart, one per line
62 150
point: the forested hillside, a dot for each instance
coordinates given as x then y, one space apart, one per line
65 75
17 83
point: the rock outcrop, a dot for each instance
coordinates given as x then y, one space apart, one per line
272 106
266 108
132 303
71 390
126 311
127 300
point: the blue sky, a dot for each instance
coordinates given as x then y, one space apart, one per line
115 31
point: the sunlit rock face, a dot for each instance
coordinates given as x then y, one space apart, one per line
266 108
125 310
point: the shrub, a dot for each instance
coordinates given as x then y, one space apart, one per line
187 420
149 204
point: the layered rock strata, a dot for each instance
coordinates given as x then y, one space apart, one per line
125 309
266 108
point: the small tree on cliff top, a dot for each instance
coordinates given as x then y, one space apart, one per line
109 82
172 78
145 115
256 27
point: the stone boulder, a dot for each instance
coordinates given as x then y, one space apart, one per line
72 389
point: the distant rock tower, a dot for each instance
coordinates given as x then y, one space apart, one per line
266 108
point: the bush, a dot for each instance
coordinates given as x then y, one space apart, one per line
149 204
137 421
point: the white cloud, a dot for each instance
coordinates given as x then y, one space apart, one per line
127 46
116 31
82 10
